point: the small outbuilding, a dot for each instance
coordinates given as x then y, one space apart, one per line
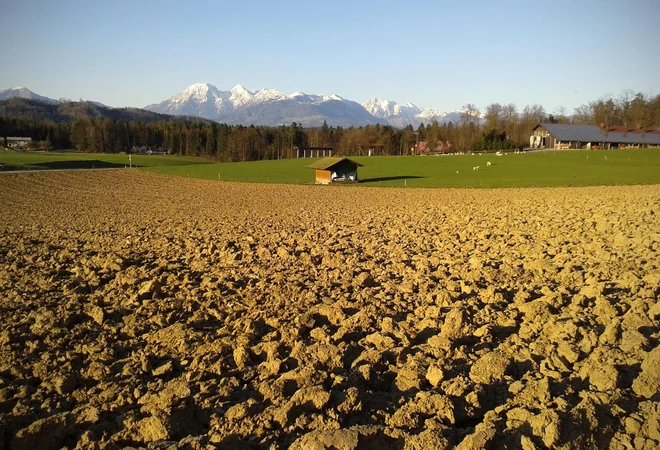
335 170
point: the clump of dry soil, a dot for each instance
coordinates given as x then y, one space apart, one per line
146 311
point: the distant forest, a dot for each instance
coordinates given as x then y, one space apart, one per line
88 127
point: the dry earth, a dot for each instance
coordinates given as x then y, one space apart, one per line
146 311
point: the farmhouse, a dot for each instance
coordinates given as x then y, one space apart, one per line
18 142
335 170
564 136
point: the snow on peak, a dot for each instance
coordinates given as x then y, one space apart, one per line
200 88
200 92
430 113
379 107
205 100
269 95
239 90
17 88
384 109
23 92
240 96
301 97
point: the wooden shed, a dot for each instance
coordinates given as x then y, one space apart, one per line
335 170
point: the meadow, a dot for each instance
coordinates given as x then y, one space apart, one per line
12 160
537 169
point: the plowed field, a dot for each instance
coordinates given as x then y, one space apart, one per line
147 311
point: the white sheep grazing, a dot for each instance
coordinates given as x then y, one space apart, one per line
476 168
488 164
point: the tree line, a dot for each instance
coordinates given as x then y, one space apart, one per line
500 127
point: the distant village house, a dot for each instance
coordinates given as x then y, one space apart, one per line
18 142
441 148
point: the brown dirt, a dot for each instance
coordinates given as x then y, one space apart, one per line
147 311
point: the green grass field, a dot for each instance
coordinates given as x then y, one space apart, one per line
12 160
549 168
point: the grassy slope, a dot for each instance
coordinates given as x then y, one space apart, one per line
568 168
12 160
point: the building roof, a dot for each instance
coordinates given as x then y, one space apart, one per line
593 133
328 163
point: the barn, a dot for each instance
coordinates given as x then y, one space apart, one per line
335 170
564 136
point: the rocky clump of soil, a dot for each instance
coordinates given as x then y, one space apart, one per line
144 311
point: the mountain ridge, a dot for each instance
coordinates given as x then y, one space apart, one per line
241 106
271 107
23 92
63 112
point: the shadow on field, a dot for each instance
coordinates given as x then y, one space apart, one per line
398 177
81 164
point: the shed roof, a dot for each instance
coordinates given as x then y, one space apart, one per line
327 163
593 133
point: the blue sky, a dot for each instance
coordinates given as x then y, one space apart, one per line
432 53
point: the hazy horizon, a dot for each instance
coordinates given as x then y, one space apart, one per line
433 54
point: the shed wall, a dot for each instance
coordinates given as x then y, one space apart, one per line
323 176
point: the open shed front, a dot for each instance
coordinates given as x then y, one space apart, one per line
335 170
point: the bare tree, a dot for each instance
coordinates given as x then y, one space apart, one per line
469 127
583 115
510 118
532 115
470 114
494 114
604 111
640 110
624 104
561 113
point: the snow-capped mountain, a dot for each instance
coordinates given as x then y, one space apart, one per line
409 114
386 109
395 114
240 96
264 107
272 107
200 99
23 92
